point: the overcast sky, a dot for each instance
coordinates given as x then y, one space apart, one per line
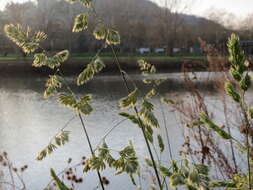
238 7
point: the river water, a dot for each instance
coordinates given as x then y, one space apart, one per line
28 122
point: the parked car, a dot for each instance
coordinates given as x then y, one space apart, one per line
143 50
159 50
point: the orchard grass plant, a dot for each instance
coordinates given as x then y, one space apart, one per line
136 107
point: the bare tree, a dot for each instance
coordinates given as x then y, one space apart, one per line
172 20
21 13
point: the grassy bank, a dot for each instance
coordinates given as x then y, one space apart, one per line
13 65
109 58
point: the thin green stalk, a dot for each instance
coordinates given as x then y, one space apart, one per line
229 132
168 139
135 109
166 132
109 132
91 149
140 121
244 108
165 183
85 131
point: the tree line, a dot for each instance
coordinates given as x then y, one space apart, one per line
141 23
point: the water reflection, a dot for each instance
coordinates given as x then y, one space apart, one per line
28 122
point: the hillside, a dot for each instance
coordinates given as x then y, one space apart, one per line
141 23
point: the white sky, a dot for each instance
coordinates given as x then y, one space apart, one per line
238 7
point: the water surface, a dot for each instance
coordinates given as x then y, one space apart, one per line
28 122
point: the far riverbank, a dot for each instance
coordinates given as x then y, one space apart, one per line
10 66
